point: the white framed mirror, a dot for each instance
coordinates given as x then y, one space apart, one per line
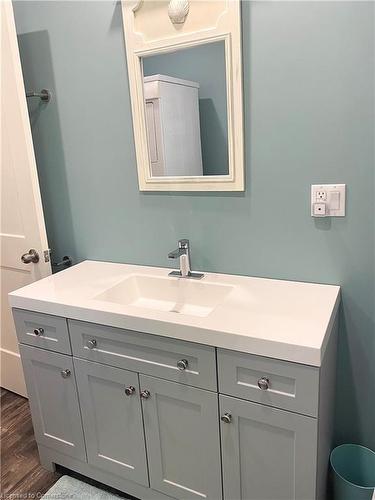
185 78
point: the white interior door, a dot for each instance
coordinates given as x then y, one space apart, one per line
22 223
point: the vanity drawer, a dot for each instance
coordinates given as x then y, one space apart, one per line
145 353
42 330
290 386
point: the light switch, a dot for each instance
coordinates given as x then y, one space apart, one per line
334 200
332 196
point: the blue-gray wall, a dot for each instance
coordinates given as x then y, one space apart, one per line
309 113
204 64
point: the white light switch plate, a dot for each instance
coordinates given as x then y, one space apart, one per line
330 195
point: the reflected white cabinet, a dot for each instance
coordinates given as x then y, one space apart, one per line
173 126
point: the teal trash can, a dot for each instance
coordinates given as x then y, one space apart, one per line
353 472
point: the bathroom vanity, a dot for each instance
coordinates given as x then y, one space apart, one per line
164 387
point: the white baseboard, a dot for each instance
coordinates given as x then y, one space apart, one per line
11 373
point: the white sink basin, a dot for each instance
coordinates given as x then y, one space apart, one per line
184 296
273 318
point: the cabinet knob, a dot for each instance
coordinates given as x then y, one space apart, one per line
145 394
129 390
182 364
38 331
226 418
65 373
263 383
91 344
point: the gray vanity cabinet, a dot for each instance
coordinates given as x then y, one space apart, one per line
112 419
53 398
266 452
161 418
182 436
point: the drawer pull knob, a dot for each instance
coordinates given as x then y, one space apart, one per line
145 394
182 364
38 331
66 373
263 383
129 390
226 418
91 344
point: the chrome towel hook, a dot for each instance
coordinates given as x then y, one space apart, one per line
44 95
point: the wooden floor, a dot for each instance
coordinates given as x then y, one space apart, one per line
21 472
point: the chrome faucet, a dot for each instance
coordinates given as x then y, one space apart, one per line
183 253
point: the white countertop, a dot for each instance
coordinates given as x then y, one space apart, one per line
279 319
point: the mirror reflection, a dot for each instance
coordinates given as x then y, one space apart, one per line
186 111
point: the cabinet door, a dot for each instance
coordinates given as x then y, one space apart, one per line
53 399
154 136
267 453
112 419
182 437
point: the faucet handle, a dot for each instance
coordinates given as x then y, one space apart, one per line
183 243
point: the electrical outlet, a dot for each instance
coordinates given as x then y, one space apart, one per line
321 195
332 196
